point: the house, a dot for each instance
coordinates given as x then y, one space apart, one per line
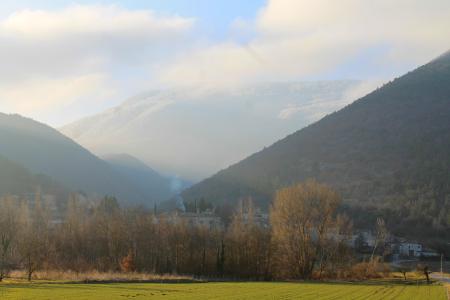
411 249
414 249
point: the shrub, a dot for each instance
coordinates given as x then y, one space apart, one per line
127 263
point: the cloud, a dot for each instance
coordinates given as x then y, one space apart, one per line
44 96
84 38
92 20
51 59
126 51
297 39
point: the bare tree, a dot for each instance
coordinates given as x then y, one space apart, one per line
380 236
404 269
427 272
302 217
34 239
8 213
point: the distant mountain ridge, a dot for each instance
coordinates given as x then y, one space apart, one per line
43 150
147 180
17 180
195 132
388 149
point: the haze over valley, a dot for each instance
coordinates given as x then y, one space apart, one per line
193 133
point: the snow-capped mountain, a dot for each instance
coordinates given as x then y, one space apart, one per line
193 133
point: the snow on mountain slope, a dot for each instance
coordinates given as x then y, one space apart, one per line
193 133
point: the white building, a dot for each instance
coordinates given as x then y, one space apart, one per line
410 249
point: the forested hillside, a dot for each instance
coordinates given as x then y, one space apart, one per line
387 153
149 182
43 150
17 180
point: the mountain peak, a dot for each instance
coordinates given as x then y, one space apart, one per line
166 128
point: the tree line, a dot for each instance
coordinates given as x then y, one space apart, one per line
305 238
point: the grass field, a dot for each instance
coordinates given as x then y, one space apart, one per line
250 290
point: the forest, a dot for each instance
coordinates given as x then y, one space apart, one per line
306 238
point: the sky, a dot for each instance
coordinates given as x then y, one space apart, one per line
62 60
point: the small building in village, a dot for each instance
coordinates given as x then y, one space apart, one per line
411 249
206 218
364 242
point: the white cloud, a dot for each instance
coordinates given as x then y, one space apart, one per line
137 49
55 59
96 20
297 39
86 39
44 96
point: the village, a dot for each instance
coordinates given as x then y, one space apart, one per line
392 248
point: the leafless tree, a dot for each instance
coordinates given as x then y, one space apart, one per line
8 220
380 236
302 218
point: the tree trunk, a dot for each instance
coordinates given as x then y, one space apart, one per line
427 274
30 269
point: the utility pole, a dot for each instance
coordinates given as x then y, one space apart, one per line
442 273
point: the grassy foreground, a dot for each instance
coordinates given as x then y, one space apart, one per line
229 290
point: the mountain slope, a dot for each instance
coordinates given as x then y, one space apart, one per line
147 180
390 149
195 132
17 180
44 150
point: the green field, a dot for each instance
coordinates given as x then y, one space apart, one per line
251 290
